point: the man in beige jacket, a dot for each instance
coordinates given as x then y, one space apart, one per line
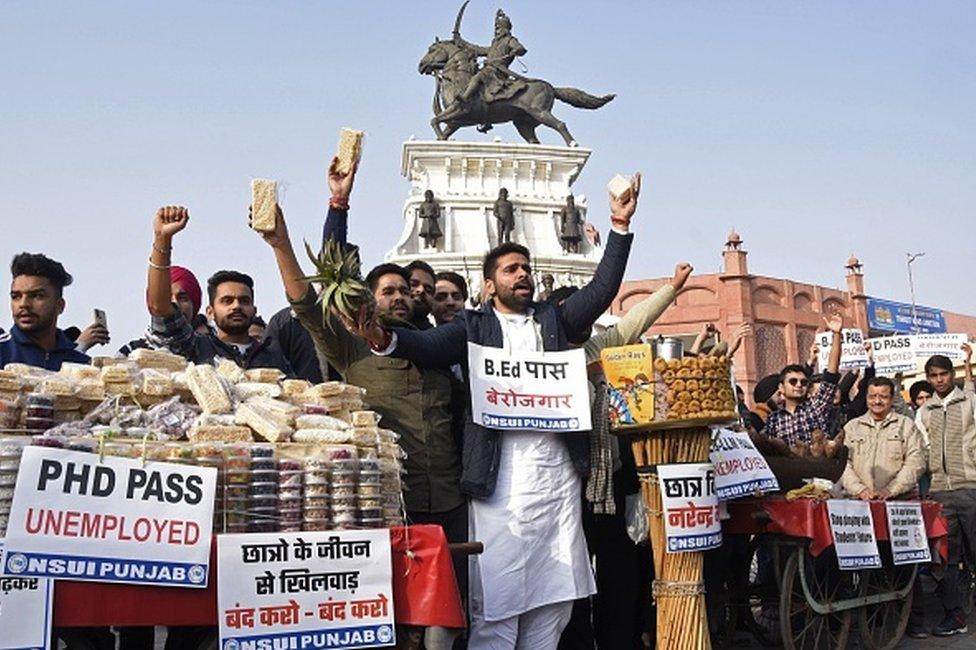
884 458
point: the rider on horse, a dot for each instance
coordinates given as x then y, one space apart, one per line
494 75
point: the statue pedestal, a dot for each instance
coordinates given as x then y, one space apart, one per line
465 178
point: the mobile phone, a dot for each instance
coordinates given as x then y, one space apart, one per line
100 318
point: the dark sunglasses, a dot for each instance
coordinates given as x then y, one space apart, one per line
796 381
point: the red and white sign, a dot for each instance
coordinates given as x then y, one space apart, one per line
305 590
690 507
852 352
76 517
893 354
25 612
948 345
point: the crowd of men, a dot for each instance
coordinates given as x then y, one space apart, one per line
548 507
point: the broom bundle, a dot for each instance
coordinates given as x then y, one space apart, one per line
678 590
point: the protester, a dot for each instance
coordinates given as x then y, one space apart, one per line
947 421
884 449
525 485
919 393
624 573
231 308
801 415
297 346
450 294
422 279
36 302
257 328
186 294
414 401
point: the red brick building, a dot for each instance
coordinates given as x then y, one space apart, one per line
785 314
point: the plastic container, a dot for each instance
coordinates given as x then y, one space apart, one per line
344 477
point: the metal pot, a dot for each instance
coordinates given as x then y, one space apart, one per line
668 348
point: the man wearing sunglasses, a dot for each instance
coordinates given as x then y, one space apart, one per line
801 415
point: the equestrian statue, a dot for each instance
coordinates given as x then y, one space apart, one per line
467 94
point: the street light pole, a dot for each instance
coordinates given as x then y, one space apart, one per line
911 288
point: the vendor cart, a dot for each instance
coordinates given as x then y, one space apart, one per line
425 593
788 588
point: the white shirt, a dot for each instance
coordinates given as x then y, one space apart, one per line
532 525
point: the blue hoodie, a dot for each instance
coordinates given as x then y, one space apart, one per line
17 347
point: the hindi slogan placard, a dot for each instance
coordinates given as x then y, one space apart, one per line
740 470
893 354
852 527
329 589
690 507
25 611
906 530
852 352
948 345
540 391
77 517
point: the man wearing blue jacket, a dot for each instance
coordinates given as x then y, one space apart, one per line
525 485
36 301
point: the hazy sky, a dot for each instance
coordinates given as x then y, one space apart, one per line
816 129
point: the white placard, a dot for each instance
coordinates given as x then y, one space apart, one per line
25 611
906 532
114 520
740 470
690 507
305 590
540 391
852 352
852 527
893 354
948 345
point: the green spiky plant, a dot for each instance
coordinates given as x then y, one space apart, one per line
343 289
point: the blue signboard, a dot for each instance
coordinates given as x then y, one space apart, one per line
892 316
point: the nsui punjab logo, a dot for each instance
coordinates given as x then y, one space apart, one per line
197 574
17 563
384 634
231 644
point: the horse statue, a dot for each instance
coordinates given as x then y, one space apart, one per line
459 101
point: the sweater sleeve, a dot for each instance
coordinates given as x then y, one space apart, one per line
634 323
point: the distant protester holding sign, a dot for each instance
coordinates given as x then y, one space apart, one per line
800 415
525 484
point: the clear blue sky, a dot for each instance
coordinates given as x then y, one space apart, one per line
816 129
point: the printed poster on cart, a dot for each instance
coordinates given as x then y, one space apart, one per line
690 507
77 517
25 611
330 589
906 531
540 391
852 527
740 470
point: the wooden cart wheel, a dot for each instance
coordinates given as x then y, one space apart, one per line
882 625
802 627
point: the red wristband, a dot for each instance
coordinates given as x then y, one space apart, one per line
339 202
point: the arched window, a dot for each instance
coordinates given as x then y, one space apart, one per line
770 349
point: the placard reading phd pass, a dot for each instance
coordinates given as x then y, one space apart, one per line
115 520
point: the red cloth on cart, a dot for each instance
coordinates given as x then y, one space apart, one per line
808 518
425 592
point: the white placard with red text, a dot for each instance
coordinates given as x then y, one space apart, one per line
852 527
25 612
115 520
329 589
852 352
540 391
906 532
689 507
740 470
948 345
893 354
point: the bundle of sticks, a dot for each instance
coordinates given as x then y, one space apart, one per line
679 593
